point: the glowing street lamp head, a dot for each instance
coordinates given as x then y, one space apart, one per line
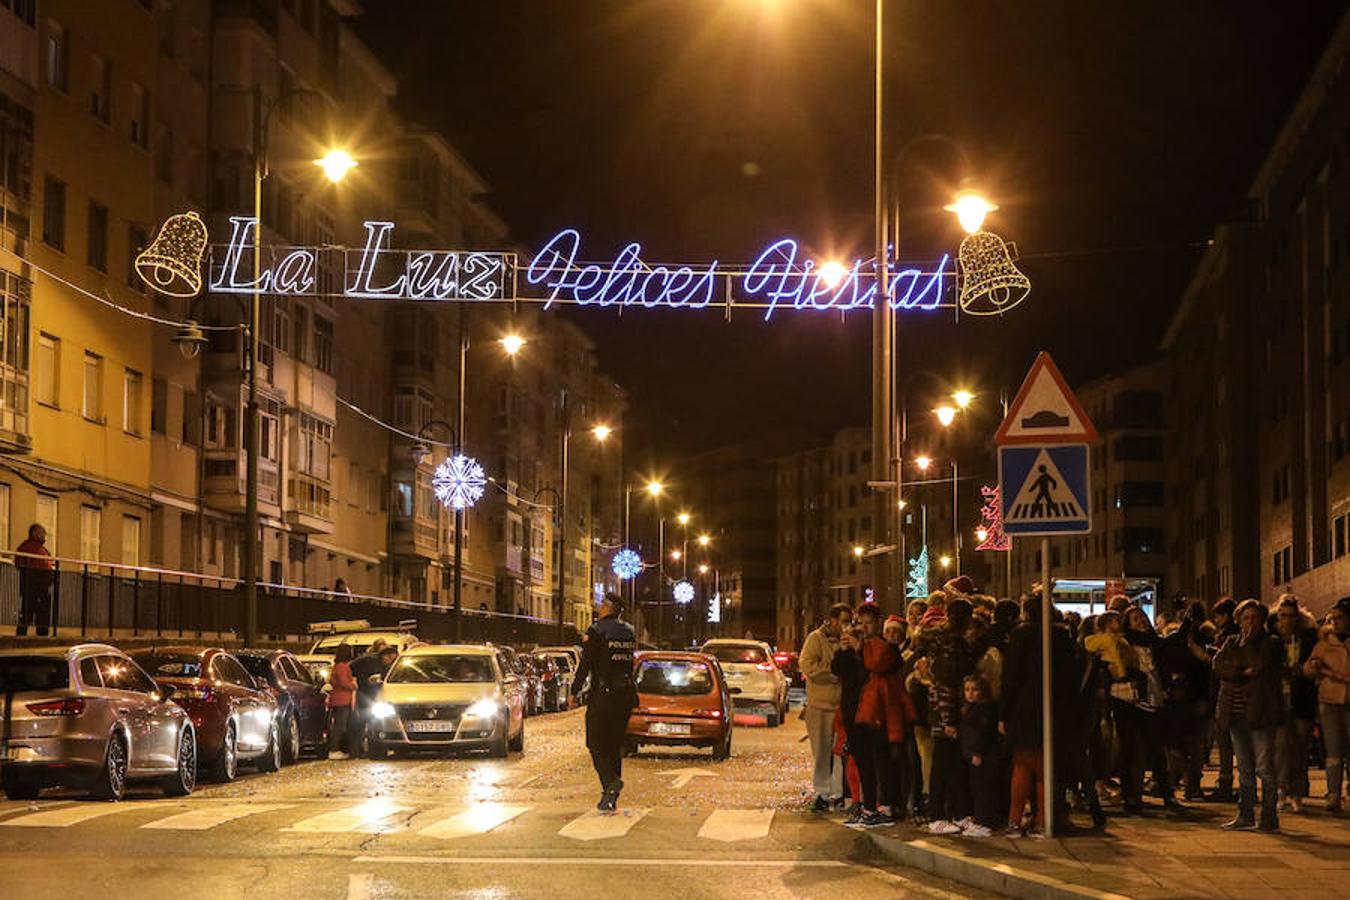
923 462
683 518
601 432
962 398
945 561
858 550
946 415
832 273
512 343
336 164
981 534
675 555
704 540
655 488
703 569
901 504
970 209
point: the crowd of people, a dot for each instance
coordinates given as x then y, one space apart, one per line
935 718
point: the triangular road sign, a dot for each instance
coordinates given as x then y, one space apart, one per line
1045 411
1044 497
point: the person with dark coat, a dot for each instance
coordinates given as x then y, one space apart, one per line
847 666
1140 716
34 563
1251 701
1020 709
950 661
1187 709
1296 630
982 749
607 658
1223 627
375 661
1007 614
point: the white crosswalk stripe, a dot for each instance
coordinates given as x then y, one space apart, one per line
211 816
478 819
595 825
65 816
370 817
730 825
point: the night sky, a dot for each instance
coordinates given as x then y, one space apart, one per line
1114 137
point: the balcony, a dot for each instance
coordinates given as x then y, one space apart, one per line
415 537
310 510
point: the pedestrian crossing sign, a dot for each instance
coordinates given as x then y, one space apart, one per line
1045 489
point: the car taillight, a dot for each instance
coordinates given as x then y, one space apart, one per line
707 713
71 707
765 666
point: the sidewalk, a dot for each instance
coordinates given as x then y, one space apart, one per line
1149 856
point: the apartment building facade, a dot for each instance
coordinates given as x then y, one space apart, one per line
130 451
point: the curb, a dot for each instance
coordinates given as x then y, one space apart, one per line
998 878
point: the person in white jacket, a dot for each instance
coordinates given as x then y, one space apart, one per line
822 701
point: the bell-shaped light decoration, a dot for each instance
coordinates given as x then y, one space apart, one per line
990 283
172 264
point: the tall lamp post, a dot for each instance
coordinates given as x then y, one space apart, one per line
335 165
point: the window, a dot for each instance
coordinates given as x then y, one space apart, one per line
164 154
54 213
1339 535
1282 566
1135 494
92 403
1280 485
100 87
323 344
91 527
140 116
89 673
192 416
15 298
1138 448
58 58
122 674
45 515
136 242
133 383
301 349
97 249
48 386
159 405
131 541
4 515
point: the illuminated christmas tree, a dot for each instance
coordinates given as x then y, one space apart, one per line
991 534
917 585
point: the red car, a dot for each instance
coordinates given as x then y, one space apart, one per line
683 699
235 717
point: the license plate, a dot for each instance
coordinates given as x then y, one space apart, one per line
668 728
433 725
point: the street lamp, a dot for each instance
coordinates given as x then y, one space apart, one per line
832 273
703 569
337 164
858 550
683 518
923 462
704 540
945 561
512 343
981 534
654 488
946 415
970 209
962 398
601 432
675 555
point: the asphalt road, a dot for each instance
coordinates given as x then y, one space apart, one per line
464 827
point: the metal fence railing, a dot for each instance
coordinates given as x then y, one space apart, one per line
99 600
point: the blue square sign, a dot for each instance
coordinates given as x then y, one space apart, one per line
1045 489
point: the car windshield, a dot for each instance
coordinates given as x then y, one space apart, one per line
674 677
170 665
736 653
563 660
257 666
33 673
441 669
360 643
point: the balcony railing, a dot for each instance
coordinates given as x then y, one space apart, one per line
86 600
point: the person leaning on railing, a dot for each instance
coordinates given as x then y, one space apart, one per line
35 582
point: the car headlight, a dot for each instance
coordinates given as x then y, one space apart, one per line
382 710
482 709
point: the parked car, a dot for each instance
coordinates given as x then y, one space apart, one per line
448 697
529 681
88 716
788 661
359 635
302 708
749 666
551 696
567 667
235 718
683 699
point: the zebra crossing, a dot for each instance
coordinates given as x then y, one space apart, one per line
387 817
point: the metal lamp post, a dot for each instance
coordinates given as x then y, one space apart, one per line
335 165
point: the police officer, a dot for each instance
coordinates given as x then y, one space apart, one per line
607 657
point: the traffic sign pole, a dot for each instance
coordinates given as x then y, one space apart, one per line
1047 720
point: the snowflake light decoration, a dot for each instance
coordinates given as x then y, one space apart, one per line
626 564
684 593
459 482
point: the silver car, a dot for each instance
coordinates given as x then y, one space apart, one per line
88 716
